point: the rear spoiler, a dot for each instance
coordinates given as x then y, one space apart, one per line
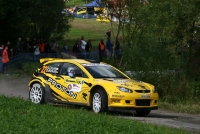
43 60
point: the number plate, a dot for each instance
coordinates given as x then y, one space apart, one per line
145 96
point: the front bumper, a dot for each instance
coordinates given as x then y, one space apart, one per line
132 108
135 101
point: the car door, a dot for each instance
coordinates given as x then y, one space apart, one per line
77 85
54 80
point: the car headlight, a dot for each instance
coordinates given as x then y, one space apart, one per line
154 90
123 89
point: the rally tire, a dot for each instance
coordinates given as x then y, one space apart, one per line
99 101
36 93
142 112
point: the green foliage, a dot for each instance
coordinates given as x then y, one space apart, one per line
21 116
159 47
38 18
24 69
30 67
73 3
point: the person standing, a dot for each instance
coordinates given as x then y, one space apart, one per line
101 49
108 34
54 46
47 47
33 45
27 46
37 52
5 60
76 48
109 48
117 49
83 44
18 46
10 49
1 53
41 46
64 48
88 48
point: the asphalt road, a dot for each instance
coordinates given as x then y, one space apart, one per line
19 88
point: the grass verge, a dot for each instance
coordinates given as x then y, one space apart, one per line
90 29
22 116
181 107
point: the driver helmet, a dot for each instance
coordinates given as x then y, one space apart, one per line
71 71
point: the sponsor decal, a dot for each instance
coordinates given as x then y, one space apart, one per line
47 69
120 96
70 87
79 81
74 85
62 88
69 80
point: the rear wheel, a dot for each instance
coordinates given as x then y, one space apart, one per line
142 112
36 93
99 101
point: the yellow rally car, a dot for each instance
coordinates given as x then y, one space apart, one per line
90 83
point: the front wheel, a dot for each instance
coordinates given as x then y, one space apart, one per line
142 112
36 93
99 101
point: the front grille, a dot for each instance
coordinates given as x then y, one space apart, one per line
142 91
142 102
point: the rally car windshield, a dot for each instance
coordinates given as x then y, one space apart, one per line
104 71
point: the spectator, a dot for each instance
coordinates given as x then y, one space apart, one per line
88 48
65 54
117 49
76 48
101 50
36 52
10 49
54 47
26 46
41 46
83 44
64 48
47 47
108 34
33 45
5 59
109 48
18 46
1 53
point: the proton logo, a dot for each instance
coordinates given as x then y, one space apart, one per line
143 91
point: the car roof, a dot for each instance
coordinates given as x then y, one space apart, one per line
80 61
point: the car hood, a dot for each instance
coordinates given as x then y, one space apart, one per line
129 83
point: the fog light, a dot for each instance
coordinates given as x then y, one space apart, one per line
116 101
